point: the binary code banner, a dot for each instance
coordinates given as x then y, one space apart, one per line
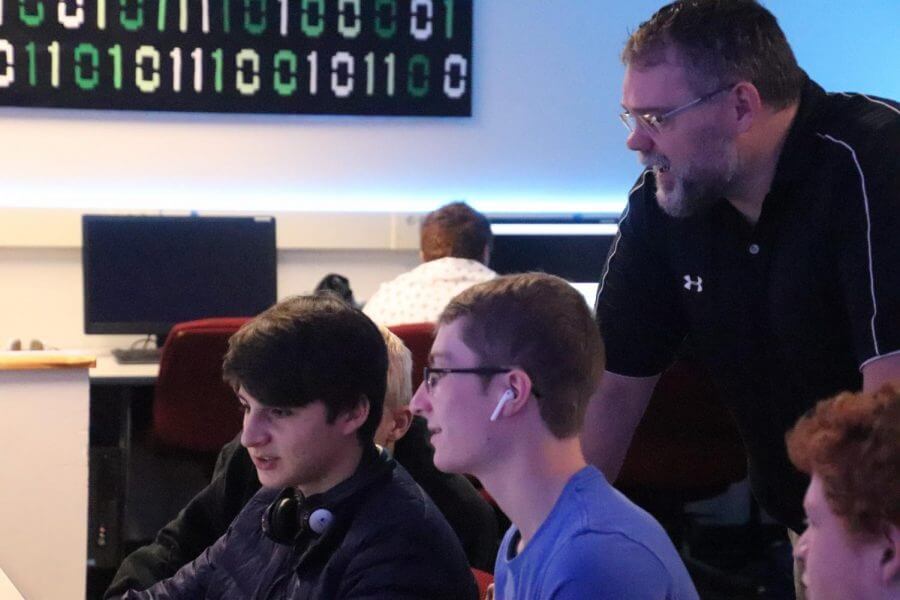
354 57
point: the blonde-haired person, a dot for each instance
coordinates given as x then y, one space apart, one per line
396 417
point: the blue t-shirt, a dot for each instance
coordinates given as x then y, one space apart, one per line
595 543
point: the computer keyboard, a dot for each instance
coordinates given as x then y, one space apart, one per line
139 356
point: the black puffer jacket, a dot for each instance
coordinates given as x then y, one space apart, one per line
388 540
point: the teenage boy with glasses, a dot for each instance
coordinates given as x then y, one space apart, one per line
573 535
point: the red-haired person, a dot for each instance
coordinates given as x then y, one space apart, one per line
850 445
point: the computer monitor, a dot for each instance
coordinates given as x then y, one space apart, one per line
573 250
144 274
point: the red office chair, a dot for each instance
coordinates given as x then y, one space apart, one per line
418 337
483 579
686 448
193 409
687 440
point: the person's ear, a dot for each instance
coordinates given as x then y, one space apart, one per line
890 556
354 418
746 104
518 388
402 418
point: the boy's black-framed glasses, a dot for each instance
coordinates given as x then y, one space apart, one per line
434 374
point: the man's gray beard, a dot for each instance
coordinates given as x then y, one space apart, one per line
695 193
687 198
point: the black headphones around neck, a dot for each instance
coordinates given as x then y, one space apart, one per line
291 517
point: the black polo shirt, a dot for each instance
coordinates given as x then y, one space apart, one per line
784 312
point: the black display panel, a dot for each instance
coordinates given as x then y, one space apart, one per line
575 251
144 274
352 57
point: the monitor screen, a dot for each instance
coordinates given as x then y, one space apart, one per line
143 274
575 251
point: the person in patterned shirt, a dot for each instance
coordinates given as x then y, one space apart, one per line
455 247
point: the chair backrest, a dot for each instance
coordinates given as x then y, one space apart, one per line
418 337
193 409
687 440
483 579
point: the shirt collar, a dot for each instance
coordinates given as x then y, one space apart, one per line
796 158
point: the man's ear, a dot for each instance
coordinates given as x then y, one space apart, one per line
890 556
746 104
402 418
354 418
519 383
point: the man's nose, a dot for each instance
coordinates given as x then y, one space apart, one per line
639 140
799 550
419 403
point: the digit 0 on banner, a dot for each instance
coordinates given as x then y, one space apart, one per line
357 57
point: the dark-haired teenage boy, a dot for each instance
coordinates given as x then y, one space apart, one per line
336 518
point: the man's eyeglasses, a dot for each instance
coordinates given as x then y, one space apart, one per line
653 123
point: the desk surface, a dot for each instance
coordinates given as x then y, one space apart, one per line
109 371
24 360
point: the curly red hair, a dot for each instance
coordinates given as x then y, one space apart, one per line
852 442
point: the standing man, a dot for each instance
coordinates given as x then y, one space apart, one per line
511 370
764 228
455 248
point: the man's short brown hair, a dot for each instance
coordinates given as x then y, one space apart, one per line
539 323
720 42
455 230
852 442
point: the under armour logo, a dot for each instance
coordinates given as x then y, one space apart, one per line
691 284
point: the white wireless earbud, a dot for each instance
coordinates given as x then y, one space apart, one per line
506 397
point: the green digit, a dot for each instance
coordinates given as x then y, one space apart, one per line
219 58
448 21
226 16
370 73
285 88
161 17
390 61
116 53
80 80
310 30
132 23
385 31
417 60
251 27
32 20
31 48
